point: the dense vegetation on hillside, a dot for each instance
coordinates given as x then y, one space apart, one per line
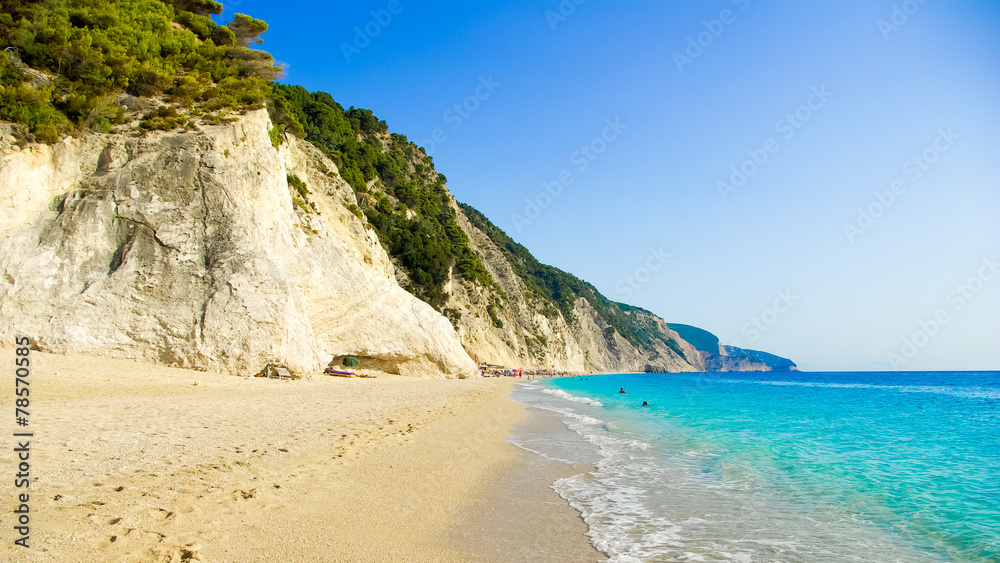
697 337
64 62
563 289
402 196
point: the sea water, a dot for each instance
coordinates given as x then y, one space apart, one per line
746 467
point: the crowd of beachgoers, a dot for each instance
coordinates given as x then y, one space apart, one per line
497 371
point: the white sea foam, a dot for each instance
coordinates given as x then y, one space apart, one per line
521 444
611 499
619 523
570 397
595 431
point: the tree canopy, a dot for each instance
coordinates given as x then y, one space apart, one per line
64 61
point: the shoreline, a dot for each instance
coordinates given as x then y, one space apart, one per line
141 462
533 521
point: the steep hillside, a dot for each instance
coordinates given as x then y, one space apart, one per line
540 315
507 307
398 190
700 338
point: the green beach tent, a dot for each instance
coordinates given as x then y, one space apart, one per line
351 361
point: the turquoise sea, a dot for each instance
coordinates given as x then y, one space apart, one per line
747 467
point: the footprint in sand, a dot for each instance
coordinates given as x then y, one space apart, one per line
240 494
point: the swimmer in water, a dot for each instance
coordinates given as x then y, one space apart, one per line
622 390
645 404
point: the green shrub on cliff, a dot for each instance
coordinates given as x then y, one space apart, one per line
163 119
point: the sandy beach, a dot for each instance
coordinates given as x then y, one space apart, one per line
135 462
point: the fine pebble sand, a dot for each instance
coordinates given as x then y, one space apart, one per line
136 462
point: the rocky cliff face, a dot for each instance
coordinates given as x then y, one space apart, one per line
510 325
739 359
193 249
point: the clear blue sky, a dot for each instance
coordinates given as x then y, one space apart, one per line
895 86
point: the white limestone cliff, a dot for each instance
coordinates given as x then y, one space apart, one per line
191 249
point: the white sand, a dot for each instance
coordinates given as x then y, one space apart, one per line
135 462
